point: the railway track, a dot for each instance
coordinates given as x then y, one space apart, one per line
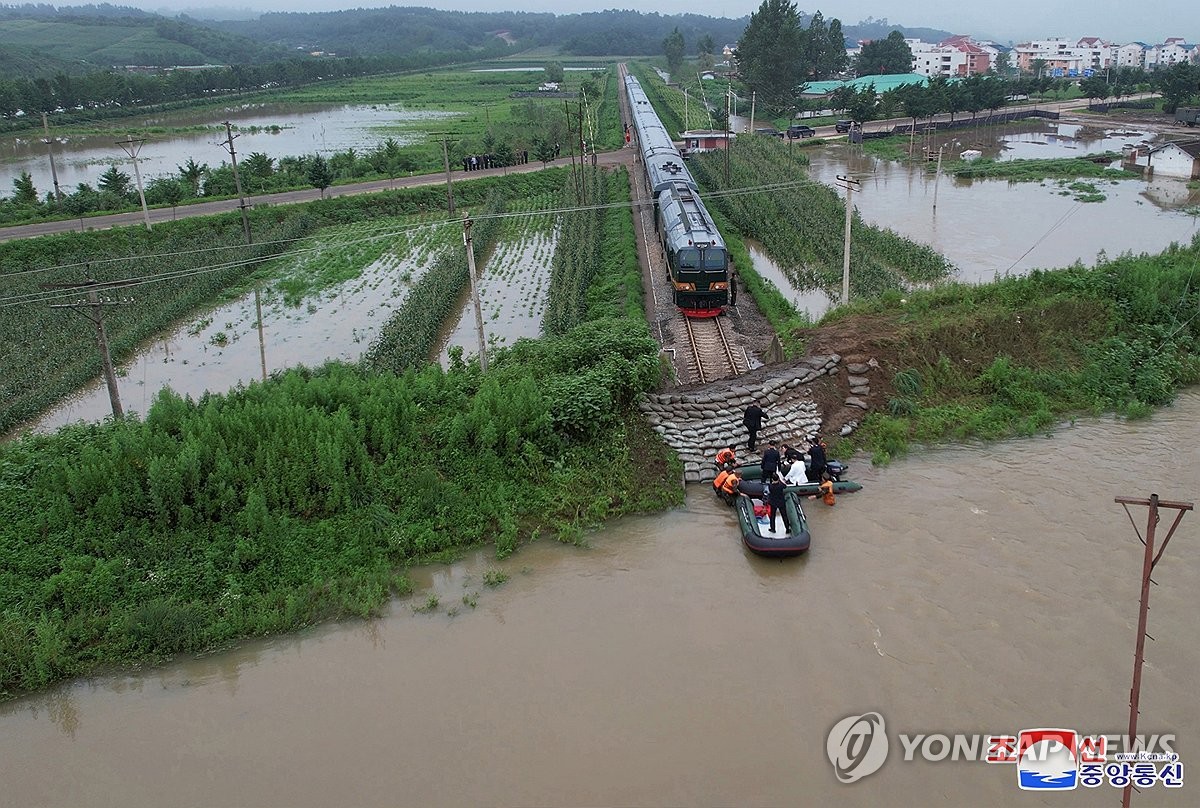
712 355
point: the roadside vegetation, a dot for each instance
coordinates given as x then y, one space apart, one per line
1017 356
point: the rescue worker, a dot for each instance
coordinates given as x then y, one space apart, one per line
727 458
729 488
719 482
826 489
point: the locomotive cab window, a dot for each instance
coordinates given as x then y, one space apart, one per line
689 259
714 259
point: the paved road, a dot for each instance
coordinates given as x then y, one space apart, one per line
619 157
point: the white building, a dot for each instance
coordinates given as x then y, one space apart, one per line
956 56
1178 159
1132 55
1172 51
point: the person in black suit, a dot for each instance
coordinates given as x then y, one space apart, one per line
753 422
770 463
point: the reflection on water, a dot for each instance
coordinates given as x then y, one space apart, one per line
276 130
814 301
983 588
992 228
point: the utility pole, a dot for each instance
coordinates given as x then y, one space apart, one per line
728 93
1149 560
49 141
851 185
475 293
937 178
93 310
753 101
449 184
237 184
132 146
686 125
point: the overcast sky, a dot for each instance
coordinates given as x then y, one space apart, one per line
1015 20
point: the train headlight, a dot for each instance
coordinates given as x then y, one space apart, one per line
720 285
685 287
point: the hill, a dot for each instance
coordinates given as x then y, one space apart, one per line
93 37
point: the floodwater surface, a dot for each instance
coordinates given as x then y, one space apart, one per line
276 130
975 589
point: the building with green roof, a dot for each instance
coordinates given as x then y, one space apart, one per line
883 84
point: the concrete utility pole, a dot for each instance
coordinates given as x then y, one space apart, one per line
237 184
467 242
728 93
937 178
93 310
132 146
851 185
753 100
449 184
1149 560
49 141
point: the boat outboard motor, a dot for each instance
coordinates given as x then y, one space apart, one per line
835 469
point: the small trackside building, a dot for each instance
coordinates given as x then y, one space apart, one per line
1174 159
705 140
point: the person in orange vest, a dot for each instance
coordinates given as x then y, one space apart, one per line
727 458
719 482
826 489
730 486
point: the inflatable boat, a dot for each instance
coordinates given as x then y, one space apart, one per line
753 473
781 542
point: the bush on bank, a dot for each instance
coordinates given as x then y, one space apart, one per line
303 497
1016 356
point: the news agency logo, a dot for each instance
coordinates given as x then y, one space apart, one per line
1047 759
857 746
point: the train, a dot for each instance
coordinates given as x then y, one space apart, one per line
697 260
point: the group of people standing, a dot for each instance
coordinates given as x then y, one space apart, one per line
478 162
782 466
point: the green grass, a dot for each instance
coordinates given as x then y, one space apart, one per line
1037 170
96 44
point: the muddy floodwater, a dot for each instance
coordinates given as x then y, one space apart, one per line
974 589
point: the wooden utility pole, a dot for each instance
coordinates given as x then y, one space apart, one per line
467 242
93 310
1149 560
132 146
850 185
49 141
242 206
449 184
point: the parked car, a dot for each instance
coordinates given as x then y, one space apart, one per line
844 126
768 130
796 130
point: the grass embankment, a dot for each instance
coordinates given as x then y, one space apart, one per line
187 265
1016 356
800 222
304 497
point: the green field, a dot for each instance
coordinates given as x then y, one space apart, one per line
101 45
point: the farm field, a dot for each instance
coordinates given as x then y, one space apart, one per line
514 284
328 301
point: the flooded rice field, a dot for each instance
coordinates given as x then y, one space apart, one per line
973 589
276 130
304 323
513 290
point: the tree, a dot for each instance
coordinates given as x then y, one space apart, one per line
543 150
193 174
770 51
1002 66
673 47
1095 88
885 56
319 174
554 72
1178 84
24 193
705 45
115 182
164 191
